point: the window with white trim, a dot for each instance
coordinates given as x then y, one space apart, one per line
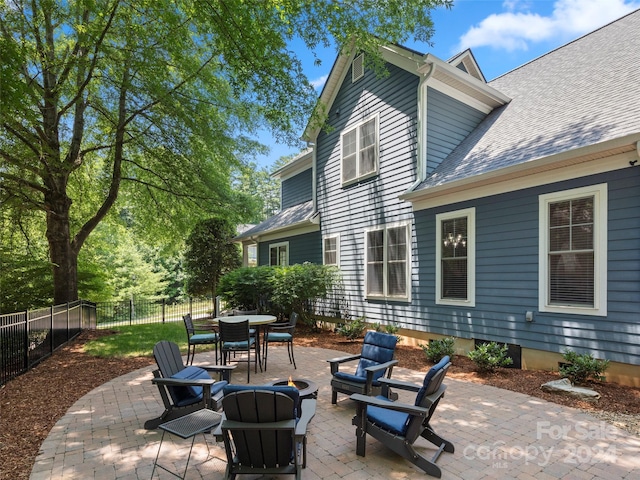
387 259
331 250
573 251
279 253
359 147
455 257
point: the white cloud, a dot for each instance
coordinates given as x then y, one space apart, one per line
319 82
519 26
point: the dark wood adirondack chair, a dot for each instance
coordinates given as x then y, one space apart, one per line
261 430
185 389
398 425
375 360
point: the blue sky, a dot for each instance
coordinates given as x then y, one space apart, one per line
503 34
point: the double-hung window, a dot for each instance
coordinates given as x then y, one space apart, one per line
331 250
573 251
455 258
279 253
359 147
388 267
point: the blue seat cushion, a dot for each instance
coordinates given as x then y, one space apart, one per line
391 420
239 345
425 390
188 395
279 337
204 338
350 377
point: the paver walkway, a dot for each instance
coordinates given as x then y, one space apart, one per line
496 433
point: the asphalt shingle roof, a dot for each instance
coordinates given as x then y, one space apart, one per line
583 93
284 218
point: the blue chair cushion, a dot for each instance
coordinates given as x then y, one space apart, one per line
204 338
427 379
279 337
377 348
350 377
391 420
238 345
188 395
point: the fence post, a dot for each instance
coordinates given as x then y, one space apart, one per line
51 331
163 310
67 322
26 340
191 306
131 311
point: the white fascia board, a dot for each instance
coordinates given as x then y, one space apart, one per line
467 79
301 228
607 156
302 162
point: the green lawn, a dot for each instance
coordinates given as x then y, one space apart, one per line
138 340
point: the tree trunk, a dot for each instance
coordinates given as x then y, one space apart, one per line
64 258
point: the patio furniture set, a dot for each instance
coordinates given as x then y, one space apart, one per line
264 427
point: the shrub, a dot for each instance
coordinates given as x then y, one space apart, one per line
437 349
489 356
580 367
247 288
352 329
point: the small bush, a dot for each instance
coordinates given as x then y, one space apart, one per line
352 329
580 367
489 356
437 349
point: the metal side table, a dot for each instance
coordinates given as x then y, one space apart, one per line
185 427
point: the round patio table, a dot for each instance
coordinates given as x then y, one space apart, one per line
254 321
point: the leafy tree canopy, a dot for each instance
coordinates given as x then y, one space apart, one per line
150 103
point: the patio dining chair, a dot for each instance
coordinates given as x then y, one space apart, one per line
199 335
185 389
235 338
375 360
398 425
280 333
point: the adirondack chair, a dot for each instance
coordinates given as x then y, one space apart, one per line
374 361
398 425
185 389
261 430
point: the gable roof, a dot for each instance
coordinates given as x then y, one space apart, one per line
582 94
297 216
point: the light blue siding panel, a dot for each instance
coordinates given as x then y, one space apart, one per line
297 189
449 121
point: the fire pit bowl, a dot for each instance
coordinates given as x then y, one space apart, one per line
307 388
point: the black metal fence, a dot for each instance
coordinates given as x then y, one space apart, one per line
27 338
139 311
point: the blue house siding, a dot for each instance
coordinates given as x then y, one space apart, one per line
372 202
297 189
302 248
449 121
507 276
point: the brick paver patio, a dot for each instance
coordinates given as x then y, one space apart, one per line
496 433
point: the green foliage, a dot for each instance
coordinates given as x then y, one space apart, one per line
582 367
437 349
490 356
210 254
352 329
280 290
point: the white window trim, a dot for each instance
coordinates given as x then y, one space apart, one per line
470 213
384 296
359 178
276 245
337 237
600 196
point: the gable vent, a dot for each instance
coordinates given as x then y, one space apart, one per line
357 68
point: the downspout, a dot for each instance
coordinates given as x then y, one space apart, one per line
421 170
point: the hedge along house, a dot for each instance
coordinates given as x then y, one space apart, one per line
503 211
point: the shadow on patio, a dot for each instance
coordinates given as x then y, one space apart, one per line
496 433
